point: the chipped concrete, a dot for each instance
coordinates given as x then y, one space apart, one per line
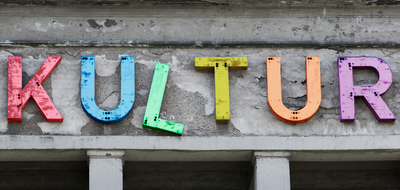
175 33
105 67
208 3
189 95
315 23
67 101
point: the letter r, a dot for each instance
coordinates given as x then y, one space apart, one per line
18 97
370 94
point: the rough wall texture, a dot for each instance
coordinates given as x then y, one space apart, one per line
189 96
177 32
276 23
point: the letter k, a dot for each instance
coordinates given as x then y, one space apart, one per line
18 97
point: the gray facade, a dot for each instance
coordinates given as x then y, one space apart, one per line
259 146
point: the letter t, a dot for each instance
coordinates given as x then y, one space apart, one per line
220 66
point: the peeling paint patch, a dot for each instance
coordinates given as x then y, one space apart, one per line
105 67
67 103
94 24
138 115
204 85
30 64
44 27
148 63
27 115
110 23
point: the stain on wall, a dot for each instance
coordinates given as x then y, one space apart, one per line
189 95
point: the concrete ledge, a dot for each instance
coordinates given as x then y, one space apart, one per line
320 143
152 148
271 154
336 45
221 3
268 154
105 153
299 24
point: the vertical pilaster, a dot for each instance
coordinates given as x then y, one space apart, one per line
105 169
271 170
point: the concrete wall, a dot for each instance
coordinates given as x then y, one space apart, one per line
201 23
189 96
177 32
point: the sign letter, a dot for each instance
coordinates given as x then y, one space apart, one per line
274 95
370 94
18 97
156 95
127 91
220 66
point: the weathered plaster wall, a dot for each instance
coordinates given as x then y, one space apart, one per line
175 32
199 24
189 96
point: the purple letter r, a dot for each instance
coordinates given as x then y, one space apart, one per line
370 94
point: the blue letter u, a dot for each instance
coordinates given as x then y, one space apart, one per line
127 91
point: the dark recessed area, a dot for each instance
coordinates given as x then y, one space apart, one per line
202 175
382 175
187 175
44 175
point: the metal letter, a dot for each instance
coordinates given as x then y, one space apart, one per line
156 95
220 66
275 95
370 94
18 97
127 91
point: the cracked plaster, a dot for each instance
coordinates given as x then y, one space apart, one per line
319 25
189 95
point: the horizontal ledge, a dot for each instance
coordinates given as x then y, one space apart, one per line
189 149
278 3
199 11
197 44
105 153
198 143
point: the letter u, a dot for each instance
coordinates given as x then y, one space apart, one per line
127 91
275 95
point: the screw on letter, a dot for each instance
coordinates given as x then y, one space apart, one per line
154 103
127 91
18 97
221 80
274 91
370 94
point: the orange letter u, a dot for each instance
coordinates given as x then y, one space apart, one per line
274 95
